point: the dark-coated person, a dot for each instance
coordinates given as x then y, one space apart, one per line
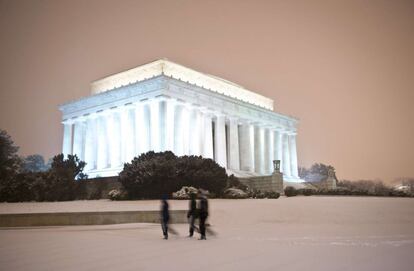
203 214
165 216
192 214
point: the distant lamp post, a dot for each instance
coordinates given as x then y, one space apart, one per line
276 166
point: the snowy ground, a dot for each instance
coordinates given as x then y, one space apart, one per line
299 233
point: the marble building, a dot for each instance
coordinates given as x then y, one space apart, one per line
165 106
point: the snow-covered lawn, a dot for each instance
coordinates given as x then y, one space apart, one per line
299 233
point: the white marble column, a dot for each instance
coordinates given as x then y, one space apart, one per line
67 137
268 151
147 128
272 150
79 138
220 140
163 125
142 131
259 149
114 137
195 133
246 142
171 108
127 133
286 155
103 150
293 155
183 131
277 142
234 155
91 142
155 125
208 136
178 130
201 132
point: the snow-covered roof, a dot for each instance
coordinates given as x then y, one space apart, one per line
171 69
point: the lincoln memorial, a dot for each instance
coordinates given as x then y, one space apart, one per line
163 106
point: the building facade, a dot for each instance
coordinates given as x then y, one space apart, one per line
163 106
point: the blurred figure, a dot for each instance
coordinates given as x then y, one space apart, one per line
203 214
165 216
192 213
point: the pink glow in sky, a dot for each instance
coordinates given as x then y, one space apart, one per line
344 68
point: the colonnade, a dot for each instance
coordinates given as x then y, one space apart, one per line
108 138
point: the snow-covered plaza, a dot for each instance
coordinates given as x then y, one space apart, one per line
298 233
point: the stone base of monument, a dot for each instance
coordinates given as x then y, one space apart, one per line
87 218
297 185
272 182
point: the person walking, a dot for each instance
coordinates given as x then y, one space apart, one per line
203 214
192 213
165 217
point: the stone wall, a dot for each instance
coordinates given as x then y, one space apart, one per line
87 218
272 182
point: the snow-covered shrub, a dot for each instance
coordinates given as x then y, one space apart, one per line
290 191
185 192
235 193
115 194
272 195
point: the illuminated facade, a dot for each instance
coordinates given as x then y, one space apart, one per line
165 106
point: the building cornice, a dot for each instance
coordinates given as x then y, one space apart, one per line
164 86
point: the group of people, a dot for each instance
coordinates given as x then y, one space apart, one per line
195 211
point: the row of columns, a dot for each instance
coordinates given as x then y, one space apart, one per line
107 139
260 145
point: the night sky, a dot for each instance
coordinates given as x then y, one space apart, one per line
344 68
